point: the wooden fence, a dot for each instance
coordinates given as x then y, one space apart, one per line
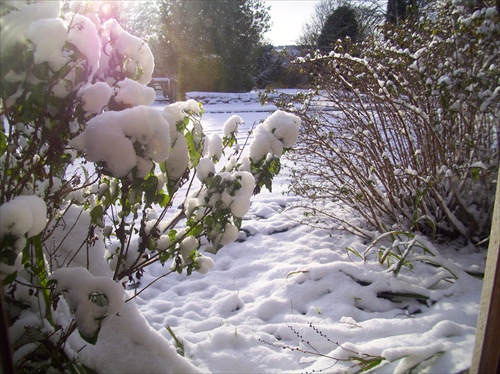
486 355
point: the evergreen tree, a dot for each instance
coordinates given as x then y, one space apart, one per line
340 24
368 16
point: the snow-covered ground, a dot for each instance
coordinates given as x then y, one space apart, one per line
284 288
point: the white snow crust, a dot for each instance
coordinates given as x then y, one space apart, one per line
283 274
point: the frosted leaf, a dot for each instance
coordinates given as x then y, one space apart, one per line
280 130
174 113
240 207
264 142
190 205
14 77
241 200
192 106
245 164
162 180
163 243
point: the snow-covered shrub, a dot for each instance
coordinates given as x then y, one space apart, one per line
405 129
90 174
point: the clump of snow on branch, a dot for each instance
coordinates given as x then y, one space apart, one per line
95 97
122 46
178 161
91 298
83 35
278 132
44 46
176 112
204 169
76 230
215 147
15 24
133 93
23 215
231 125
76 30
204 264
111 138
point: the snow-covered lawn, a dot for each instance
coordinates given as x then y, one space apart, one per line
286 285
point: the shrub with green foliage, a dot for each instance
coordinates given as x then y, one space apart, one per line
404 129
200 73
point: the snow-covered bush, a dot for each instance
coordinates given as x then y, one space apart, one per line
90 174
406 130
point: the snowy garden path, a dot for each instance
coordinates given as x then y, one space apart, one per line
282 276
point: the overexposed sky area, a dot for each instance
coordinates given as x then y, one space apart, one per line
287 18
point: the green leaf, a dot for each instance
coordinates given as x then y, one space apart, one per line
9 278
164 256
97 215
8 249
151 244
178 343
163 167
3 143
92 338
296 272
162 199
171 235
229 141
353 251
237 222
150 188
194 149
369 364
39 268
196 230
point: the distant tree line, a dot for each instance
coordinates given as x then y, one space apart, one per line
335 20
220 45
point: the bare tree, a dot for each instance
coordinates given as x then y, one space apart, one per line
312 29
369 14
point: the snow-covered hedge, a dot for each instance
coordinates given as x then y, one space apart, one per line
90 174
406 130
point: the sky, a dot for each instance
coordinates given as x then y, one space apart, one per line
288 17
